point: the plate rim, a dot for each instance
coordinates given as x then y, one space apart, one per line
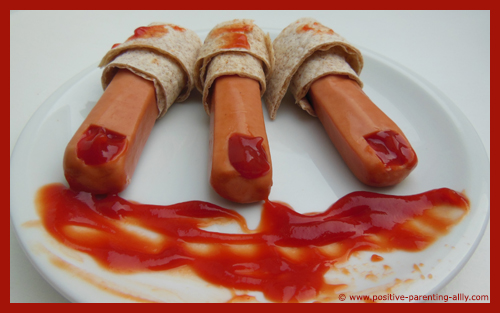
37 119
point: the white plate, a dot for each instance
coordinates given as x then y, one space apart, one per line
308 174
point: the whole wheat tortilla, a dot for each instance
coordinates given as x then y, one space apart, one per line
219 57
305 51
168 77
166 57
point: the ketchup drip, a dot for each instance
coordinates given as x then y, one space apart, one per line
391 148
99 145
359 221
247 156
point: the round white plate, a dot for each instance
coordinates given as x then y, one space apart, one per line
308 174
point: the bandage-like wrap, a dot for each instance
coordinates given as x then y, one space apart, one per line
237 47
305 51
162 53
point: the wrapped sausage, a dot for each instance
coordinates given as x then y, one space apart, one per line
160 52
142 78
324 52
231 71
322 70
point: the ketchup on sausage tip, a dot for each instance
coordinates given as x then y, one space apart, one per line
371 144
240 162
103 153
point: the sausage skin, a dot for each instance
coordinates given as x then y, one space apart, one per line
103 154
371 144
240 161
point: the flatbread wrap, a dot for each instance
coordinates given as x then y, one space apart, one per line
237 47
160 52
305 51
142 78
322 69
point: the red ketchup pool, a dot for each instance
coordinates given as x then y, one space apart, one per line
360 221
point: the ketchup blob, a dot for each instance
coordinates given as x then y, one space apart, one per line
391 148
287 255
247 156
99 145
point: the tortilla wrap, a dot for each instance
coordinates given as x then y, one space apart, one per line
237 47
163 53
305 51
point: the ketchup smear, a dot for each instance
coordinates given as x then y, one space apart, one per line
391 148
99 145
149 32
177 28
247 156
288 254
235 40
233 35
316 27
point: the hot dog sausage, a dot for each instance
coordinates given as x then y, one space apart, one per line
231 71
371 144
142 78
322 70
103 154
240 167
